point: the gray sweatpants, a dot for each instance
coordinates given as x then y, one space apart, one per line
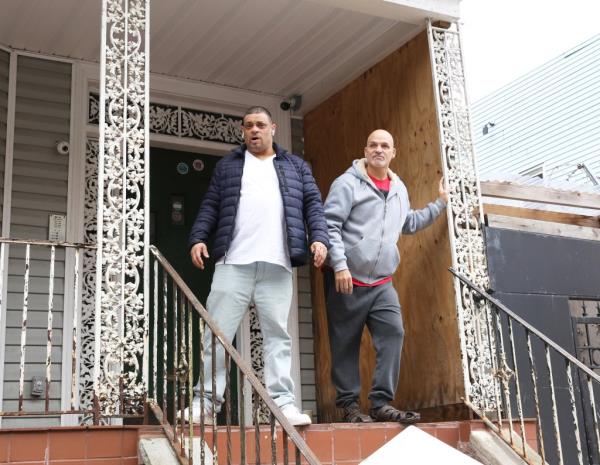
379 308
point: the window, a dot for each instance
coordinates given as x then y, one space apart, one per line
537 171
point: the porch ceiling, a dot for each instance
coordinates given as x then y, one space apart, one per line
281 47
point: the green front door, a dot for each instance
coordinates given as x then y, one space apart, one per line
178 182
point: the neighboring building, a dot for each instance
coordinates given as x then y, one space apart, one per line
546 124
537 146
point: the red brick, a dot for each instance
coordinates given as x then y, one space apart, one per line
4 446
371 440
130 443
321 443
392 433
346 445
448 435
464 431
67 445
28 446
111 461
130 461
431 430
104 443
265 446
235 446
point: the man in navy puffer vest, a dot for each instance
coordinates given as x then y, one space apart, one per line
259 202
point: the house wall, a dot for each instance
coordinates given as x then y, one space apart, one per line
39 188
551 115
396 94
44 90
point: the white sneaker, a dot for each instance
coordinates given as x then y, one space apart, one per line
196 409
295 416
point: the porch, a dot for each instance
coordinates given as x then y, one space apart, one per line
124 338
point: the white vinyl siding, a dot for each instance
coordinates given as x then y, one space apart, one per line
551 115
39 188
307 347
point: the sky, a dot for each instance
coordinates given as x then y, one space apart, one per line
504 39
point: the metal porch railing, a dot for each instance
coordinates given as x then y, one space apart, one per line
535 377
178 327
40 260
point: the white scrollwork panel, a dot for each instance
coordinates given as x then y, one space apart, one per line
468 254
171 120
258 362
86 369
120 313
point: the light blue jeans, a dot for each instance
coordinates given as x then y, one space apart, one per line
233 289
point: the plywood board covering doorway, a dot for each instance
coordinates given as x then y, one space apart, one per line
397 95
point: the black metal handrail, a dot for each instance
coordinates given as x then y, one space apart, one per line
177 311
562 381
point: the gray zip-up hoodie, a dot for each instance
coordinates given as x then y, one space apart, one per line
364 226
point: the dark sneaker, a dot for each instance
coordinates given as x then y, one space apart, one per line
352 414
389 413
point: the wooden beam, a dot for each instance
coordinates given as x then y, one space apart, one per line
543 215
543 227
509 190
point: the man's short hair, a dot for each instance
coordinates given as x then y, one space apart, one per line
258 109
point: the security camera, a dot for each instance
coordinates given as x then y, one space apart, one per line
62 147
293 103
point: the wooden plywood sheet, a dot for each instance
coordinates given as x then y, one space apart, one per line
396 95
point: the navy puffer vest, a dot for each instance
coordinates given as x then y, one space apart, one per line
301 202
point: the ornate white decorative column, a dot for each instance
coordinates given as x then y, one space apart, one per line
123 220
464 215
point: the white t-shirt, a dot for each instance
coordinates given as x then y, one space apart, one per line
259 234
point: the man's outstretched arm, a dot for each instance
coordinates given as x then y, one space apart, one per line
419 219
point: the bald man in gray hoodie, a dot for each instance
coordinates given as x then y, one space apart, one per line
367 210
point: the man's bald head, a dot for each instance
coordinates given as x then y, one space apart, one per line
381 134
379 152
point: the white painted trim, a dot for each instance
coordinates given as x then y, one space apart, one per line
184 144
28 53
75 209
408 11
8 165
